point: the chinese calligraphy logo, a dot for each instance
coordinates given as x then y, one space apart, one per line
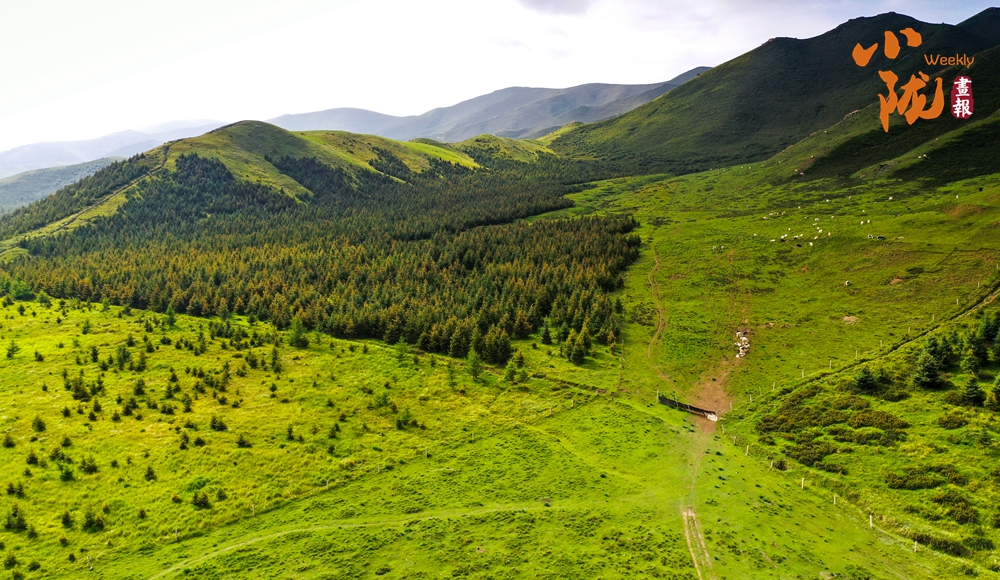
912 104
961 98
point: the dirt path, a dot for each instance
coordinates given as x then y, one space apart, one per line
708 393
696 545
661 321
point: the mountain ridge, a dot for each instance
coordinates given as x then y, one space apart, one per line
515 112
755 105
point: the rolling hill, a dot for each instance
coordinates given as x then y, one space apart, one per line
512 112
319 353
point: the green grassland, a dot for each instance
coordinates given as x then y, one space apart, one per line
494 480
572 472
141 445
722 267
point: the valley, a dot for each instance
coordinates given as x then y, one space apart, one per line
262 353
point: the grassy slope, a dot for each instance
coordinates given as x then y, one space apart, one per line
24 188
418 502
754 106
537 480
242 148
721 272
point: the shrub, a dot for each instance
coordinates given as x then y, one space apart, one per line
217 424
978 542
874 418
945 545
958 507
200 500
847 402
243 442
93 522
812 452
15 521
926 477
88 465
952 421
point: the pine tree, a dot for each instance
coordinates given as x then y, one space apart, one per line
475 364
275 361
864 381
546 335
510 372
925 375
972 392
992 402
297 336
580 348
971 364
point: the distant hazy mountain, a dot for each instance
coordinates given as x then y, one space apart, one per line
122 144
24 188
511 112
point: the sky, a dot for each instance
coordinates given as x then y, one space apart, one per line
76 70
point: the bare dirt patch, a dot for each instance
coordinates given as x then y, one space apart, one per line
850 319
710 393
895 281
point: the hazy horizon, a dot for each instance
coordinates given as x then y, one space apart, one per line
83 71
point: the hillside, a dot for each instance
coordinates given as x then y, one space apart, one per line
320 354
755 105
320 429
24 188
518 112
985 24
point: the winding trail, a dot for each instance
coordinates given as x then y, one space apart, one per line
696 544
661 321
700 557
